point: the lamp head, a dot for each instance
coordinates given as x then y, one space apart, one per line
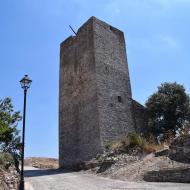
25 82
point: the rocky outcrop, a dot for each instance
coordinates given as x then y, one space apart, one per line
134 165
103 162
180 149
9 180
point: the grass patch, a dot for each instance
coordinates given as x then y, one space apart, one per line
135 140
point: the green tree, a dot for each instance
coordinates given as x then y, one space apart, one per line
9 134
168 108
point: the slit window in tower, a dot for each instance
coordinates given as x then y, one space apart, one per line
119 99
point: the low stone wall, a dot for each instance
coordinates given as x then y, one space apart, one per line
177 175
179 149
163 152
9 180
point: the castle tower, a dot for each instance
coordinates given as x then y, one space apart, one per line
95 103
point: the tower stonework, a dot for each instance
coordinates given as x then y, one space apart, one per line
95 101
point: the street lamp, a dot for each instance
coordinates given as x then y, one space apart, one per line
25 84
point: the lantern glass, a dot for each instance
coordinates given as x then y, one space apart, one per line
25 82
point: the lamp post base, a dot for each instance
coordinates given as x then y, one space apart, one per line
21 186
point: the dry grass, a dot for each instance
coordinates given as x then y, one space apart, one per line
151 148
136 140
116 146
44 163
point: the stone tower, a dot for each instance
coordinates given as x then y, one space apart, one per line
95 102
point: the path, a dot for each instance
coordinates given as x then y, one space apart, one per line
58 180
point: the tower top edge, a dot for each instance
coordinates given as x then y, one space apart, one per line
91 20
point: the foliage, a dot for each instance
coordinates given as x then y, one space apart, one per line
168 109
6 160
9 134
185 130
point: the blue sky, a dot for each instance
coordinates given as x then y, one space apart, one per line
157 38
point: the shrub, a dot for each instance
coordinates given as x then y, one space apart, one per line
136 139
6 160
168 109
9 134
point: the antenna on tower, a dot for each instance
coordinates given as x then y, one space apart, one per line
72 30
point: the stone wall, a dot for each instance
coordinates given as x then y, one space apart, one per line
177 175
113 83
140 117
79 136
179 149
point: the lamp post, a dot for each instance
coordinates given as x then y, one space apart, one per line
25 84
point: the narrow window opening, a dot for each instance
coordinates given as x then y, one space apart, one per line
112 28
119 99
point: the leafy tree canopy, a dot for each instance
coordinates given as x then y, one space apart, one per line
9 137
168 108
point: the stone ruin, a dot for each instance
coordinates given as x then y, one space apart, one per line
95 100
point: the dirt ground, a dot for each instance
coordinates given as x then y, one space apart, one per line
43 163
